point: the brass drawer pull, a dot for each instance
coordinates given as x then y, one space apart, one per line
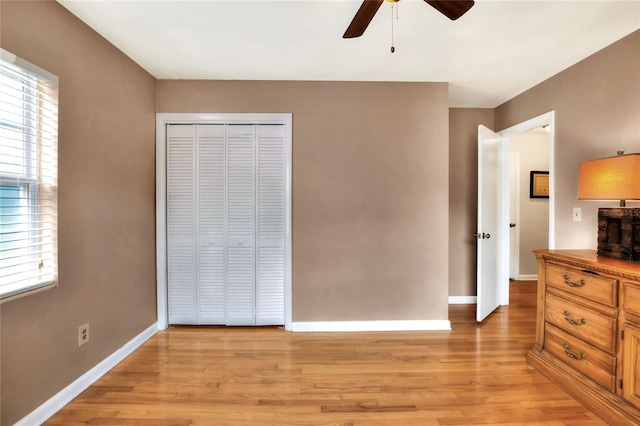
574 322
571 284
579 357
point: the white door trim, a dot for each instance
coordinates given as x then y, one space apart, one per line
162 120
542 120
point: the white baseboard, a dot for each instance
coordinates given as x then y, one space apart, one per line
401 325
66 395
527 277
463 300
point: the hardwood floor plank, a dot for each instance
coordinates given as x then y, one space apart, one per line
475 374
136 422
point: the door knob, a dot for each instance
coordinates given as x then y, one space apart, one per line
512 225
481 235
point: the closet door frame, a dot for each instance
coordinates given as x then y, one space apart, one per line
164 119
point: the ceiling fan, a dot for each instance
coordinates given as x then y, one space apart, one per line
452 9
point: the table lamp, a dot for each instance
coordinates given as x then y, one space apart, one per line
614 178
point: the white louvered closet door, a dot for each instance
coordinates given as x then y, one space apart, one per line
226 224
270 200
181 224
211 223
240 225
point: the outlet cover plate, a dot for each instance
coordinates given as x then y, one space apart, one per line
83 334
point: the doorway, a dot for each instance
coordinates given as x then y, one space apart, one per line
546 121
497 260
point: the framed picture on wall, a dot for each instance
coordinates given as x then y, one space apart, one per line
538 184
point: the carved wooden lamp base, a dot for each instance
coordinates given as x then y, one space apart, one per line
619 233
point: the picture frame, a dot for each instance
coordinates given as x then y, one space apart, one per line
539 184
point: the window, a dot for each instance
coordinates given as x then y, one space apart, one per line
28 177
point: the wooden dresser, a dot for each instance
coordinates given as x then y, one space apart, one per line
588 331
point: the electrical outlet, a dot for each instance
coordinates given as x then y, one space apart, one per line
83 334
577 214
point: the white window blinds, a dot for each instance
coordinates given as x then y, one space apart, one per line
28 177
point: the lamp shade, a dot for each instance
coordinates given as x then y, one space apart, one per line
612 178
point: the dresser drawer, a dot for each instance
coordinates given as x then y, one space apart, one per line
585 284
582 322
631 298
589 360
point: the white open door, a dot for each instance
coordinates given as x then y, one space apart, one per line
490 187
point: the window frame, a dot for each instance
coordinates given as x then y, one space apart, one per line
32 181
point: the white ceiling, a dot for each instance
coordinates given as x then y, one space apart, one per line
491 54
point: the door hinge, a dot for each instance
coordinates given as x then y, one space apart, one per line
620 384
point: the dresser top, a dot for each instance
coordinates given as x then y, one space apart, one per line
591 259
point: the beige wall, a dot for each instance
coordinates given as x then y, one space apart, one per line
106 209
463 200
597 105
533 225
370 190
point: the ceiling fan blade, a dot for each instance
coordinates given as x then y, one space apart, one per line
364 15
452 9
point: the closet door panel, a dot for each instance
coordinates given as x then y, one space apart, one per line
240 286
181 224
270 205
211 185
270 287
240 301
181 285
240 185
211 223
211 285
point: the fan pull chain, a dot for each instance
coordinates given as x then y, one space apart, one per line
393 49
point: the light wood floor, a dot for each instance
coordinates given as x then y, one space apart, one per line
475 374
